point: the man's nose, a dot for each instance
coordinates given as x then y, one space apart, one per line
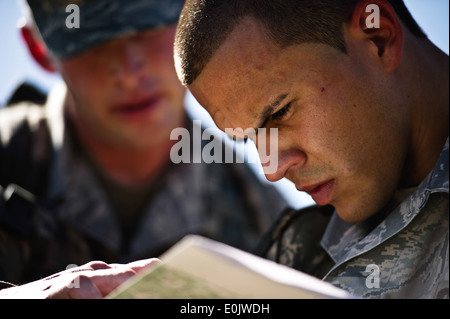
129 66
285 160
277 153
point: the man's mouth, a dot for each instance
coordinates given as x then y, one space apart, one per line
321 193
137 107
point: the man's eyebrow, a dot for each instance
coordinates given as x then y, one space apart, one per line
268 110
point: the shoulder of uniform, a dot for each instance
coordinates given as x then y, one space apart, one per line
16 116
312 216
25 141
306 221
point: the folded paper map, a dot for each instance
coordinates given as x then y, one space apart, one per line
198 267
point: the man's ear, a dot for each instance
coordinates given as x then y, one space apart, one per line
36 48
376 21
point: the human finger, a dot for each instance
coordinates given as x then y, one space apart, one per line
81 287
109 279
143 264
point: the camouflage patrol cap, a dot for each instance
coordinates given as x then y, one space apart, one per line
69 27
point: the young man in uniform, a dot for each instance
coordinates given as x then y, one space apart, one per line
359 97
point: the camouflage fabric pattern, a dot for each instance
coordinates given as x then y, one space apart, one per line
75 223
294 240
99 21
406 255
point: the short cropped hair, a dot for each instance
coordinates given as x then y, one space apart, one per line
205 24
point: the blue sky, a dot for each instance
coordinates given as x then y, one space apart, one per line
16 64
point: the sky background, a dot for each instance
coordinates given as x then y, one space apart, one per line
16 65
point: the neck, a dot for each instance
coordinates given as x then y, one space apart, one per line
127 166
428 93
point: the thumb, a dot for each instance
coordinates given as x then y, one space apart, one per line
143 264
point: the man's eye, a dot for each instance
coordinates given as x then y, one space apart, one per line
280 114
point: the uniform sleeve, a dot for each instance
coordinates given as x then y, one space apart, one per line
14 252
294 240
23 163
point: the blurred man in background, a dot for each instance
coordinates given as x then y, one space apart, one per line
88 175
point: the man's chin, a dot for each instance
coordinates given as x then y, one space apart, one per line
354 216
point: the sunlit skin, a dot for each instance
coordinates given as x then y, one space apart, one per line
345 123
125 98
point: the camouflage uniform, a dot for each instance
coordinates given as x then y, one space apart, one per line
72 222
405 255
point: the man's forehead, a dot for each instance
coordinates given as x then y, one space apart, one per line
236 82
227 107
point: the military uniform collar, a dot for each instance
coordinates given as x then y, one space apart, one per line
344 241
